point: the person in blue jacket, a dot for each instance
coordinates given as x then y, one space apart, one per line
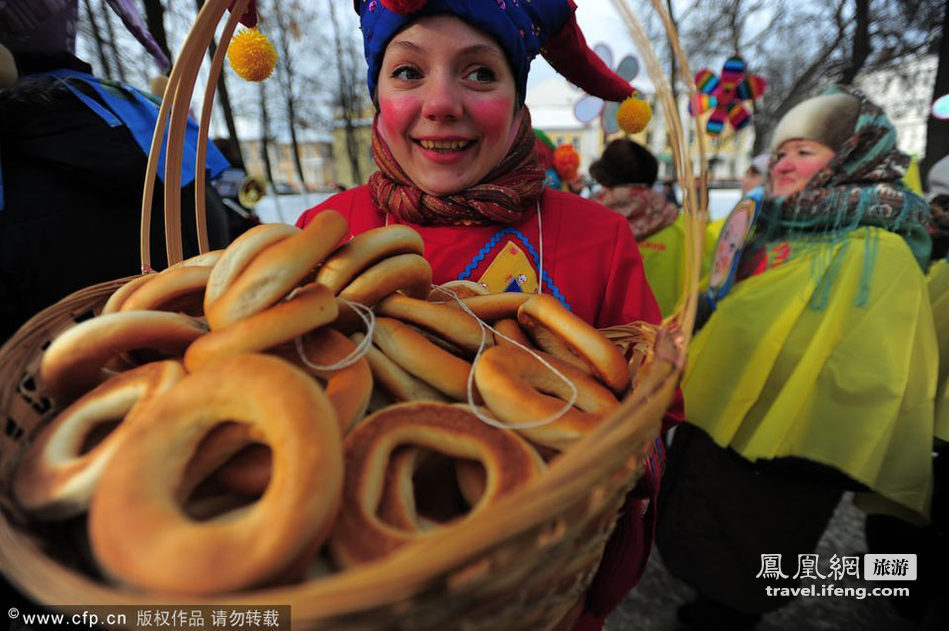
73 155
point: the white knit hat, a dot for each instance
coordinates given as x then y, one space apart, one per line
937 182
8 72
760 163
829 119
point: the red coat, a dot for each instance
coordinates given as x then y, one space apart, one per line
590 258
591 263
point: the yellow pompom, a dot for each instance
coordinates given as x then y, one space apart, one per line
633 115
8 72
252 56
158 85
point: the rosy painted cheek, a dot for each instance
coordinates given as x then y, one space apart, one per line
396 115
492 116
812 167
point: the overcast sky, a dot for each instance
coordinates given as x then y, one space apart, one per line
600 23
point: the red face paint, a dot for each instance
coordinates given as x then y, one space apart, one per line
446 102
796 162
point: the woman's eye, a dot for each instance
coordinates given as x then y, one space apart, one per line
481 75
406 73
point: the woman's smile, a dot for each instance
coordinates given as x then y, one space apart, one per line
445 146
444 151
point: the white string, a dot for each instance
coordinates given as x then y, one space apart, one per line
485 327
540 231
368 318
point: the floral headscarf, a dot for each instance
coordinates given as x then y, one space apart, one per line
861 185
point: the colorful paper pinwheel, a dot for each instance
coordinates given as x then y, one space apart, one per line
941 107
588 107
726 94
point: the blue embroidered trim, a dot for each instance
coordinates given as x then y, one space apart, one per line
656 461
493 242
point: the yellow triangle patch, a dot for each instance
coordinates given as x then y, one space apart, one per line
511 270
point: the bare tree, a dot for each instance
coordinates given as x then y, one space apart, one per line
348 101
155 20
224 101
98 38
860 49
290 18
800 47
937 131
110 31
673 70
265 133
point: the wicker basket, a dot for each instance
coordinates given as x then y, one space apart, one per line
519 564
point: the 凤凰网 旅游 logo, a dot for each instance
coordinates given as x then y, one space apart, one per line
876 567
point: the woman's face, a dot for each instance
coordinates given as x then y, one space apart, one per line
796 162
751 179
446 104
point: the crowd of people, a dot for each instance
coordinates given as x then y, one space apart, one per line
819 365
820 361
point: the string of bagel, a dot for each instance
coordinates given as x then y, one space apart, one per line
292 404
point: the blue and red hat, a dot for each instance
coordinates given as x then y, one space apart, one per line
523 28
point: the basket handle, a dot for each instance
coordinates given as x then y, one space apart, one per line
694 193
177 100
200 173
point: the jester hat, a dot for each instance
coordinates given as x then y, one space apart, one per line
522 28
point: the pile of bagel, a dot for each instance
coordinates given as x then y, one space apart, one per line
300 403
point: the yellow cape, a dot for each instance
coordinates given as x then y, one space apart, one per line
848 386
939 294
911 178
665 265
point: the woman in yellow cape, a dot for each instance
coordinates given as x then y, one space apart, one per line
816 372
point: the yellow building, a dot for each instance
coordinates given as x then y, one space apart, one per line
341 160
316 159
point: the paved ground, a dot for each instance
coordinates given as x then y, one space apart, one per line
652 605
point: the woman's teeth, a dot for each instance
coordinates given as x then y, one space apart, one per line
443 145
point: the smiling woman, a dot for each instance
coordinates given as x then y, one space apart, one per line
457 162
455 150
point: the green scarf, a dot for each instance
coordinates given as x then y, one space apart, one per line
860 186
